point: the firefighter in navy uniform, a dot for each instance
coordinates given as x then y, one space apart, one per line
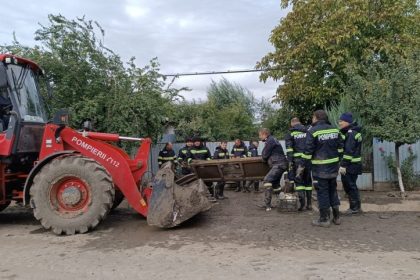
166 155
239 150
201 152
273 154
295 146
323 143
221 152
253 152
351 163
183 155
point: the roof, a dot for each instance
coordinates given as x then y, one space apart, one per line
21 61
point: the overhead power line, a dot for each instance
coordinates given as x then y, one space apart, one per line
217 72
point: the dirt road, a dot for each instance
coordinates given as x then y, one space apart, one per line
234 240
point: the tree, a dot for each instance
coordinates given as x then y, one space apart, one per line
224 93
93 82
277 120
387 96
318 39
228 113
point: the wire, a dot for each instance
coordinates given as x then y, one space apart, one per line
217 72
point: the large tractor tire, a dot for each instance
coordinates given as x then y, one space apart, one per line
71 195
118 198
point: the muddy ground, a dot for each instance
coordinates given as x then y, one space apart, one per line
234 240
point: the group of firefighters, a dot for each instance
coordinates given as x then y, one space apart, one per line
314 158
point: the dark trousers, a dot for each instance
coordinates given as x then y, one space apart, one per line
272 181
240 185
326 192
255 184
220 188
350 187
210 187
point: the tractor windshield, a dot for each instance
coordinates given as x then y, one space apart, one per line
25 85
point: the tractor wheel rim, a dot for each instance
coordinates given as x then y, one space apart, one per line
70 194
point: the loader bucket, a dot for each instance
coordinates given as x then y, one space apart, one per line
171 204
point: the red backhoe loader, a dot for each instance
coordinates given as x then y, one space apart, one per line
72 179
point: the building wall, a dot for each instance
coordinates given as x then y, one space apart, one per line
381 171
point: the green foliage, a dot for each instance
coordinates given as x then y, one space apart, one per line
225 93
318 39
228 114
410 179
93 82
277 120
387 97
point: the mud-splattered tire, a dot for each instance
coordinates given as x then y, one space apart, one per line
118 198
71 195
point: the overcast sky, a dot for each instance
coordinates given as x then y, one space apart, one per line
185 35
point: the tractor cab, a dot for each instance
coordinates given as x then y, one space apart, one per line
22 113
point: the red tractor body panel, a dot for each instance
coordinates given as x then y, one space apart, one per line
22 61
126 172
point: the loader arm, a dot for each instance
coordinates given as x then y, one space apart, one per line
125 172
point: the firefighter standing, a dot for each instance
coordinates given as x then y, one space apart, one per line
351 163
166 155
253 152
239 150
201 152
183 155
221 152
323 143
273 154
295 146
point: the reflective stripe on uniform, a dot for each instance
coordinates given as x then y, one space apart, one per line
325 131
340 150
325 161
296 133
298 154
198 151
306 156
300 188
289 149
352 159
167 158
308 188
267 184
358 136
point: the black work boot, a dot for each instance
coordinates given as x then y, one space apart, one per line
309 200
354 209
324 220
301 196
336 216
